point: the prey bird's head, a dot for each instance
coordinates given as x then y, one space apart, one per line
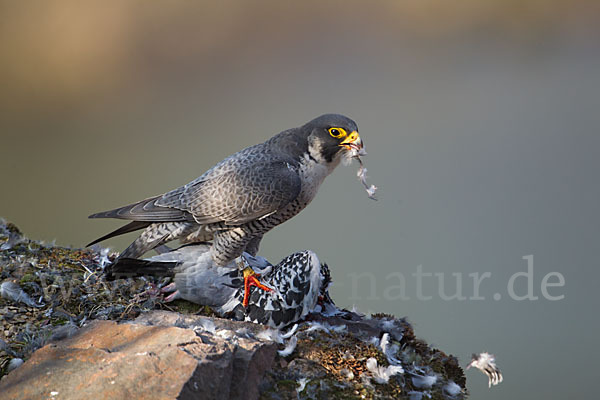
333 137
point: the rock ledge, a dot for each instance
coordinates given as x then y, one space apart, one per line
82 338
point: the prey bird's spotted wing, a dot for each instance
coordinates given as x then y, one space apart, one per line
237 191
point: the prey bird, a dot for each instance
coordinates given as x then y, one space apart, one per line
294 286
233 204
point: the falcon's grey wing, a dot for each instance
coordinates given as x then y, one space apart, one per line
145 210
236 193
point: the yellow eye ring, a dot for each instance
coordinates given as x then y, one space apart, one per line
337 132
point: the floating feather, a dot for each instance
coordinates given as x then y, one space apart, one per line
362 176
486 363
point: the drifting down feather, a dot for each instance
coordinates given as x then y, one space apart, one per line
486 363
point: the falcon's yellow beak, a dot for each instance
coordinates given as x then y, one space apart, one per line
352 141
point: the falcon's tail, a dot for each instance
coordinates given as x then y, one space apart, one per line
142 214
133 267
130 227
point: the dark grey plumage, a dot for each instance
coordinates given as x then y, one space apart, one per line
237 201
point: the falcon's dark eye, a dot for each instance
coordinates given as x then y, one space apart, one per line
337 132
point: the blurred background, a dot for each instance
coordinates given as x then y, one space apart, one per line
480 118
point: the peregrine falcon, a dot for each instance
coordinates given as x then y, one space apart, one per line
237 201
295 285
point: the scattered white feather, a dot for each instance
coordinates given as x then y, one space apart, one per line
347 373
13 364
387 325
384 343
389 349
486 363
6 245
10 290
225 333
373 340
44 243
339 328
354 152
289 333
103 260
244 333
327 309
418 370
382 374
424 382
301 385
271 335
451 389
289 348
317 326
206 325
355 310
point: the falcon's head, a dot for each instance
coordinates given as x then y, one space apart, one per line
333 137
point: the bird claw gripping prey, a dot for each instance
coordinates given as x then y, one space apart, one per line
250 279
294 286
234 203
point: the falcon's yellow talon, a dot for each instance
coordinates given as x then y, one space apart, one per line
251 279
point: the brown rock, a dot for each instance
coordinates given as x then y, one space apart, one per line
106 360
